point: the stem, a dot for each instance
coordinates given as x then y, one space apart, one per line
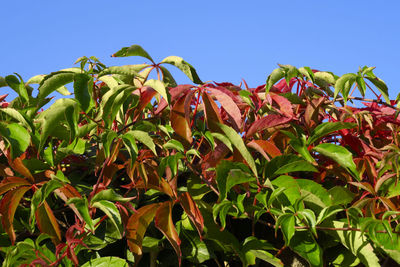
202 177
378 101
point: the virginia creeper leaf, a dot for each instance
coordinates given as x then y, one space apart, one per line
237 141
83 85
17 137
137 226
133 50
184 67
47 222
339 154
53 81
8 206
192 211
328 127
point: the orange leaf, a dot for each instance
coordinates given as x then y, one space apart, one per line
179 122
47 222
212 113
11 183
264 146
8 206
137 225
19 167
164 223
192 211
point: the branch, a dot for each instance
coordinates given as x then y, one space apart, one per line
378 101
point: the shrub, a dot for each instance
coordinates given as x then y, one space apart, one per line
141 171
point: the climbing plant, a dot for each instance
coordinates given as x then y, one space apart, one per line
126 167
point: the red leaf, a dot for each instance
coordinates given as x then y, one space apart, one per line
175 93
47 222
192 211
230 107
212 113
11 183
8 206
312 111
164 223
179 118
284 104
146 94
264 146
266 122
137 225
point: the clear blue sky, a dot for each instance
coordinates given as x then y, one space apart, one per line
223 40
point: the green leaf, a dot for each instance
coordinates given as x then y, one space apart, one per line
54 81
16 115
53 116
327 212
133 50
304 244
111 211
325 77
343 85
296 166
235 177
241 172
286 222
292 189
341 195
82 206
306 71
184 67
83 85
356 242
159 87
382 87
221 138
144 138
361 85
130 145
110 195
339 154
106 262
275 76
317 189
221 210
168 79
174 144
254 248
129 70
18 86
17 137
237 141
328 127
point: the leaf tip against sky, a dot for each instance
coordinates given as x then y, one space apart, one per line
223 40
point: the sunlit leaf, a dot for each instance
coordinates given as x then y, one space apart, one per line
185 67
133 50
17 137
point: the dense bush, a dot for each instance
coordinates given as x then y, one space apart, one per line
141 171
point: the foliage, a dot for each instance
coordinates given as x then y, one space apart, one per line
139 171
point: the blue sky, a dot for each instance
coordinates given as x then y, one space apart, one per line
223 40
